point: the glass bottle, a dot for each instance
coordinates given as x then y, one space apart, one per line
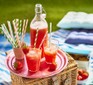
38 23
91 62
90 69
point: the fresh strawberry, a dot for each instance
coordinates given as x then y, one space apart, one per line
85 75
82 74
52 66
80 71
79 77
26 49
18 65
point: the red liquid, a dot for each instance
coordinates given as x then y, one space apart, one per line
41 33
33 59
50 54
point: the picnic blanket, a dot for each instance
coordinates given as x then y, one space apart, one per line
81 37
4 72
80 27
59 35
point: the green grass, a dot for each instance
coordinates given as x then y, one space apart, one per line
56 9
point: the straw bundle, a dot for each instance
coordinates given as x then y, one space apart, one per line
15 31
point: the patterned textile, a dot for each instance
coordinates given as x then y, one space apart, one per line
59 35
79 38
4 72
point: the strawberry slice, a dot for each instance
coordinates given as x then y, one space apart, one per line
18 65
26 49
52 66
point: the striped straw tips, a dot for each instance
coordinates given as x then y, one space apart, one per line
15 31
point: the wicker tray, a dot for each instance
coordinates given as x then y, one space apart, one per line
66 77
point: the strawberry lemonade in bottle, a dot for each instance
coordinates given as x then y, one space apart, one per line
38 29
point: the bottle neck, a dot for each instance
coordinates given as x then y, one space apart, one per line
38 11
38 16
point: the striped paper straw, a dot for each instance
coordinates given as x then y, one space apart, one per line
10 29
16 25
50 33
26 26
20 27
6 34
36 37
16 34
25 22
43 40
23 28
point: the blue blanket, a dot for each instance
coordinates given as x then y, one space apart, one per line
79 38
4 72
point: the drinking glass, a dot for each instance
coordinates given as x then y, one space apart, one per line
50 52
33 58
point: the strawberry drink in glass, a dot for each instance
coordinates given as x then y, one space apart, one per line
50 53
33 59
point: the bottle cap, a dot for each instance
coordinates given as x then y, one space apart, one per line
38 8
38 5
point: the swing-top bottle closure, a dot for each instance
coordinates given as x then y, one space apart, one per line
39 10
39 19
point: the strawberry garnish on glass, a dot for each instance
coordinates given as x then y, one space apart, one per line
18 65
26 49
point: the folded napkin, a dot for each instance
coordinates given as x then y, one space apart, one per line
80 38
